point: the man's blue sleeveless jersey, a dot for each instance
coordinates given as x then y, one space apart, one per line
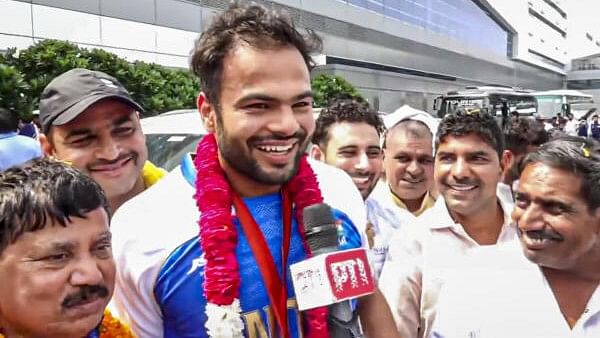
178 289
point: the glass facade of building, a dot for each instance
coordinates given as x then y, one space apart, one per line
462 20
583 84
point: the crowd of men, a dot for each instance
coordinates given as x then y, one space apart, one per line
569 125
472 229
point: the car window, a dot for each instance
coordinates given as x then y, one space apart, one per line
167 150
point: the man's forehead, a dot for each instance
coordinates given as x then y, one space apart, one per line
402 135
354 130
469 143
342 136
550 185
53 236
239 56
98 120
245 68
550 180
406 143
409 141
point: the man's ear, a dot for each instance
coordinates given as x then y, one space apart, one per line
317 153
139 121
47 147
507 160
207 112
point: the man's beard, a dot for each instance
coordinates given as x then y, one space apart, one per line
232 151
370 190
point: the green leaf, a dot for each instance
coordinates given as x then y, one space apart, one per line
327 87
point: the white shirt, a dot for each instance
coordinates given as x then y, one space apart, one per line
502 294
506 191
386 217
150 226
571 127
419 257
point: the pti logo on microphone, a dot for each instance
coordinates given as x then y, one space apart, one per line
349 274
330 278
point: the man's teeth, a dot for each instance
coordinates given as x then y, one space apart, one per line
276 149
537 237
538 240
462 187
412 180
360 179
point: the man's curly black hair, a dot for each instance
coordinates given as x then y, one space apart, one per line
345 110
481 124
246 23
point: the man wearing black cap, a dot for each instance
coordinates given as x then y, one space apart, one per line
89 119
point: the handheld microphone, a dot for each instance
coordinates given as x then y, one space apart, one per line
331 277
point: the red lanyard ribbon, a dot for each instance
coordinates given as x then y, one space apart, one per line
276 287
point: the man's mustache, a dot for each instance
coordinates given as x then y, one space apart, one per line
132 155
84 295
412 177
543 234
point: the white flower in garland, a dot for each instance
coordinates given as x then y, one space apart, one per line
225 321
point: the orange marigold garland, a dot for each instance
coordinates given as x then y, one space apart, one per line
110 327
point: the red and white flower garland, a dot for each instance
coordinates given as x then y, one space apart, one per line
218 237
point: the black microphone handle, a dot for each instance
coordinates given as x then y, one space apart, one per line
342 322
321 234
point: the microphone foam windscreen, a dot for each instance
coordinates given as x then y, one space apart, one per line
320 227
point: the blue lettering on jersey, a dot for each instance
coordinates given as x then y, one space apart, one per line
178 288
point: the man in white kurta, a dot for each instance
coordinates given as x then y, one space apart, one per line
420 256
469 213
408 165
502 294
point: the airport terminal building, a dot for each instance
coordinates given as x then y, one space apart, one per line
394 51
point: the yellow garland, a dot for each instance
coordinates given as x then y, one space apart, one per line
111 327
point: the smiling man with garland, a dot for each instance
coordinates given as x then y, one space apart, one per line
244 192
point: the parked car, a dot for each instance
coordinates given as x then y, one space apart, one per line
171 135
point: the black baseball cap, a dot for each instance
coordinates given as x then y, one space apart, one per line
71 93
